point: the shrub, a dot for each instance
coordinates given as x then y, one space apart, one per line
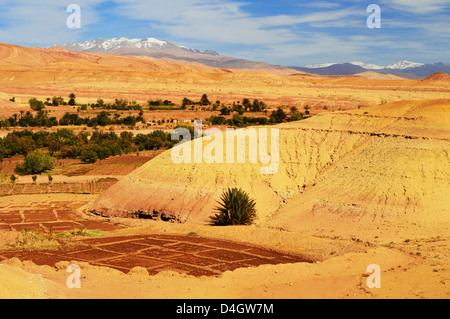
225 111
236 208
217 120
35 163
279 115
89 156
57 101
36 105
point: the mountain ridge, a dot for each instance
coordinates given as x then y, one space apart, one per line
155 48
405 69
400 65
151 47
124 43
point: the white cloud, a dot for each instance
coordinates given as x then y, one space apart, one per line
225 21
42 22
230 24
320 4
418 6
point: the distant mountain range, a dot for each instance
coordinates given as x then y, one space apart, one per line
101 45
396 66
405 69
152 47
163 49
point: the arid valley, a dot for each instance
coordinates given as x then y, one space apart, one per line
363 179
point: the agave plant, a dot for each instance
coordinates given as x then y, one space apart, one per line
236 208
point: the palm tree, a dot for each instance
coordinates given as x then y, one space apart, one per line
72 99
204 100
236 208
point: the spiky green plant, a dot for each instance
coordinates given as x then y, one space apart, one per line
236 208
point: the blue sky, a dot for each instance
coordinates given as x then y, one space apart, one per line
286 32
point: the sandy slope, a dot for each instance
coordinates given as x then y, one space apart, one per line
377 176
379 164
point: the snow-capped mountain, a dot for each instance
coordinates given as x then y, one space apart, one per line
368 66
401 65
155 48
318 66
115 44
210 52
102 45
405 69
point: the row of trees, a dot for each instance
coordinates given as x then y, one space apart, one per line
125 105
38 105
119 104
43 120
278 116
84 146
104 118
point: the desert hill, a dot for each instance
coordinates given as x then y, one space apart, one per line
43 73
378 76
8 108
439 76
56 59
347 173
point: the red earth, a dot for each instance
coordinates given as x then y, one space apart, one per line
191 255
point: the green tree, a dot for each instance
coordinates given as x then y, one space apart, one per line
103 119
238 120
100 103
35 104
225 111
236 208
88 156
35 163
57 101
296 117
279 115
204 100
307 108
246 104
186 102
72 98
